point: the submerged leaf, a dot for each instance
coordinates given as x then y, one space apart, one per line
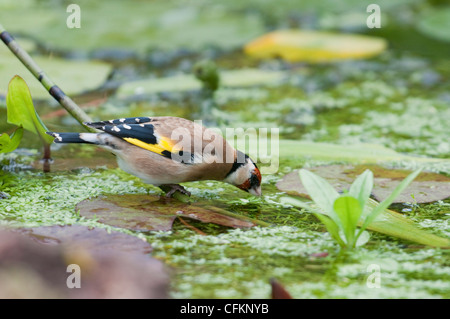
314 46
150 213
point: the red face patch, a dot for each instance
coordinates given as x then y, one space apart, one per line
245 185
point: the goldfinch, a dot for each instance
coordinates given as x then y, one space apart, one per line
170 150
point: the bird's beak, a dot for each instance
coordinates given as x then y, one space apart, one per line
255 191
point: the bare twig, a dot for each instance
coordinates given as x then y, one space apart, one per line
45 80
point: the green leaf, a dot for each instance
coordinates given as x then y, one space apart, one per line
388 201
362 187
9 144
349 211
332 228
321 192
21 111
330 225
362 239
435 23
388 222
394 224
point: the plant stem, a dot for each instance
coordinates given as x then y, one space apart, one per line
45 80
46 159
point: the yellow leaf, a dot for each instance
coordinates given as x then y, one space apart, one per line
314 46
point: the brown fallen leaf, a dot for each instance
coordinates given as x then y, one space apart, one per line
98 240
278 291
426 188
31 269
151 213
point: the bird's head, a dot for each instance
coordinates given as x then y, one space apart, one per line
245 175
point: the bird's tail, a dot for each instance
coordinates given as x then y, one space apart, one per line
73 137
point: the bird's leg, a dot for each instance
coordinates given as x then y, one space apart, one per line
173 188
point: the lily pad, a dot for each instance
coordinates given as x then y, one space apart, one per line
188 82
150 213
436 24
134 25
314 46
74 77
426 188
96 239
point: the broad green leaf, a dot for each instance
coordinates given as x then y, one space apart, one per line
9 144
362 187
21 111
362 238
388 201
321 192
436 23
330 225
349 211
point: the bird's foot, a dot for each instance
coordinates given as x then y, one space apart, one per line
174 188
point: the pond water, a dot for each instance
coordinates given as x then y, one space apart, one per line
399 99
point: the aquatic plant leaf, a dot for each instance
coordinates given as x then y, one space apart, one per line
150 212
387 222
362 238
436 23
388 201
10 143
349 212
426 188
97 239
321 192
314 46
361 188
20 109
332 228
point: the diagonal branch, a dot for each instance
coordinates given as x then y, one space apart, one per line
45 80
